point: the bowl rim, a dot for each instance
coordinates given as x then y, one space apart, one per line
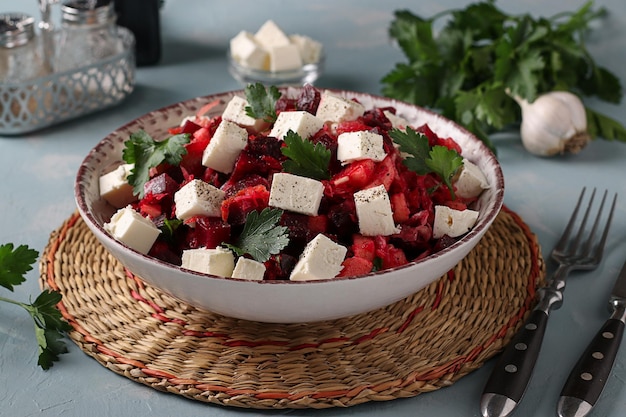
486 217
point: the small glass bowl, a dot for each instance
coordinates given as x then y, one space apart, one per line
307 74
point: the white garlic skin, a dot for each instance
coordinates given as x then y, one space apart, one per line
555 123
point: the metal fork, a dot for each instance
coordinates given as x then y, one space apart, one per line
574 250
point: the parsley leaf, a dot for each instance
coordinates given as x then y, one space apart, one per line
49 323
416 145
14 263
424 159
262 102
305 158
146 153
464 68
445 163
261 236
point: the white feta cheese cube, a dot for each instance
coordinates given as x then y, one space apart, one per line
284 58
114 186
471 181
270 35
132 229
235 112
198 198
246 51
310 49
373 209
355 146
301 122
248 269
225 146
296 193
337 109
219 261
321 259
453 222
396 121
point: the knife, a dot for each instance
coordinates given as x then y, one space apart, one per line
588 377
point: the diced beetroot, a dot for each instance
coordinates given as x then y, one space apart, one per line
298 225
384 174
393 257
251 180
210 232
450 144
189 127
154 205
236 208
342 218
363 247
355 266
162 250
456 204
161 184
352 178
352 126
376 118
444 242
279 267
399 207
309 99
318 224
415 237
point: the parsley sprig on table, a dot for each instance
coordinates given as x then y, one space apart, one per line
262 102
465 69
261 236
15 262
305 158
424 159
146 153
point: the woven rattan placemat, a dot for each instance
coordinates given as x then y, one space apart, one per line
422 343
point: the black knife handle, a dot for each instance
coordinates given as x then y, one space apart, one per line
512 372
592 370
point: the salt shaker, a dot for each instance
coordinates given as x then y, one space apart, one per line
88 34
21 56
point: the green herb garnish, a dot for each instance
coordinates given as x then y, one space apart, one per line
49 324
424 159
169 227
305 158
146 153
465 69
262 102
261 236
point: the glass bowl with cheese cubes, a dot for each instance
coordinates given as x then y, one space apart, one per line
272 57
331 203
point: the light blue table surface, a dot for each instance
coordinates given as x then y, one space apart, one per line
36 194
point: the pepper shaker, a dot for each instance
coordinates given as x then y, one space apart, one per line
21 56
88 34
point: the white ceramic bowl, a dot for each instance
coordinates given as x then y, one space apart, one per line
283 301
307 74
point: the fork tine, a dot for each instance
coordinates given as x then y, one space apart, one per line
592 234
600 247
562 243
583 224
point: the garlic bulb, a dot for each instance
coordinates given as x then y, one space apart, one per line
555 123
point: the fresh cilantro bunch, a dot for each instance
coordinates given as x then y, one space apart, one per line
146 153
15 262
261 236
424 159
465 69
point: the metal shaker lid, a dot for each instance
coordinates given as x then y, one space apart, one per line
16 29
87 12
